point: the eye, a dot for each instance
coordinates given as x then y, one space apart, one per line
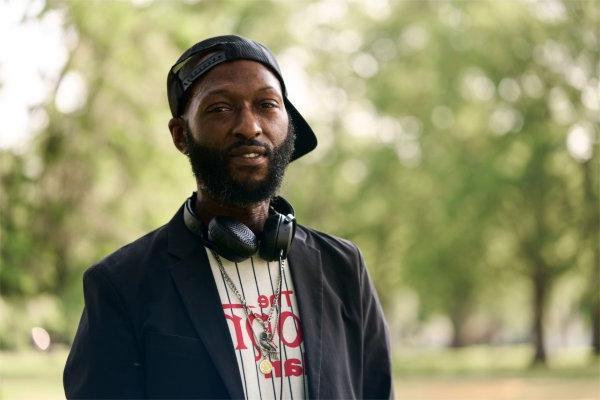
218 109
269 104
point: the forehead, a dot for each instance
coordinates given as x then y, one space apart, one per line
238 75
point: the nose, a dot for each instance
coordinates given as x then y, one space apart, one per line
247 124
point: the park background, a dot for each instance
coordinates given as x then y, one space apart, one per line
458 147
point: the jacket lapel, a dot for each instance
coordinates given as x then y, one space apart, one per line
307 274
195 283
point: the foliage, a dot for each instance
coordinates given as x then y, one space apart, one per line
443 130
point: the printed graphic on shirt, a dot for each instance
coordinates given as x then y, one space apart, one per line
256 281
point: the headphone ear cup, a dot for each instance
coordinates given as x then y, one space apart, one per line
233 240
277 236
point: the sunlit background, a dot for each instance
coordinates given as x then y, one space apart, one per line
458 147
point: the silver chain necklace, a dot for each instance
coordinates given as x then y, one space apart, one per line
265 340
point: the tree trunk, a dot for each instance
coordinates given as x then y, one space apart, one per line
591 231
595 301
596 331
458 318
540 293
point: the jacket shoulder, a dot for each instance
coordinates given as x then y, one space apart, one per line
330 244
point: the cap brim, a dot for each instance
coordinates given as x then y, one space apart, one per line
306 141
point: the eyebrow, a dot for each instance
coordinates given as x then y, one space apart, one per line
227 91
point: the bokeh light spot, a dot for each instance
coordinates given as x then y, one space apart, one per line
580 142
41 338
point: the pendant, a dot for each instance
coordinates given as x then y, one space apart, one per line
265 366
267 345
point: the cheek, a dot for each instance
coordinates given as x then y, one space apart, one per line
279 129
209 134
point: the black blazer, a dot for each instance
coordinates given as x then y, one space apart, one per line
153 325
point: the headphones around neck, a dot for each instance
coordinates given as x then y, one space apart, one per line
236 242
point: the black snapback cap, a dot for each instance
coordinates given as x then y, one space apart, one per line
220 49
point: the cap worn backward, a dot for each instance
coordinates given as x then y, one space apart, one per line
221 49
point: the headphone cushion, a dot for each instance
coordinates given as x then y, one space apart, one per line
277 236
233 240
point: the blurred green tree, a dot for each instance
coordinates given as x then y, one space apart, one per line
484 114
457 144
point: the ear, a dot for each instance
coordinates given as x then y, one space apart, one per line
178 128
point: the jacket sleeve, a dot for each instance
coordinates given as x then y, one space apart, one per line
377 369
105 361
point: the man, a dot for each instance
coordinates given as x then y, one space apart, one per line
232 299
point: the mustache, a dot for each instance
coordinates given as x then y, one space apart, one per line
250 142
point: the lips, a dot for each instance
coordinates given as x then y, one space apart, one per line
248 155
247 151
251 155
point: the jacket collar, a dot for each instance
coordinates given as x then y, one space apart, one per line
307 273
194 281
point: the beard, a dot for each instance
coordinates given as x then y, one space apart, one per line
211 168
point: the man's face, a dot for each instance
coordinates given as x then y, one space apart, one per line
237 134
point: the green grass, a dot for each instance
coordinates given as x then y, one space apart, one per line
494 361
32 374
496 388
495 373
474 373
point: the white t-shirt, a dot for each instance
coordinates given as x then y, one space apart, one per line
256 280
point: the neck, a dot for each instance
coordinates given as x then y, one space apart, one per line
253 216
